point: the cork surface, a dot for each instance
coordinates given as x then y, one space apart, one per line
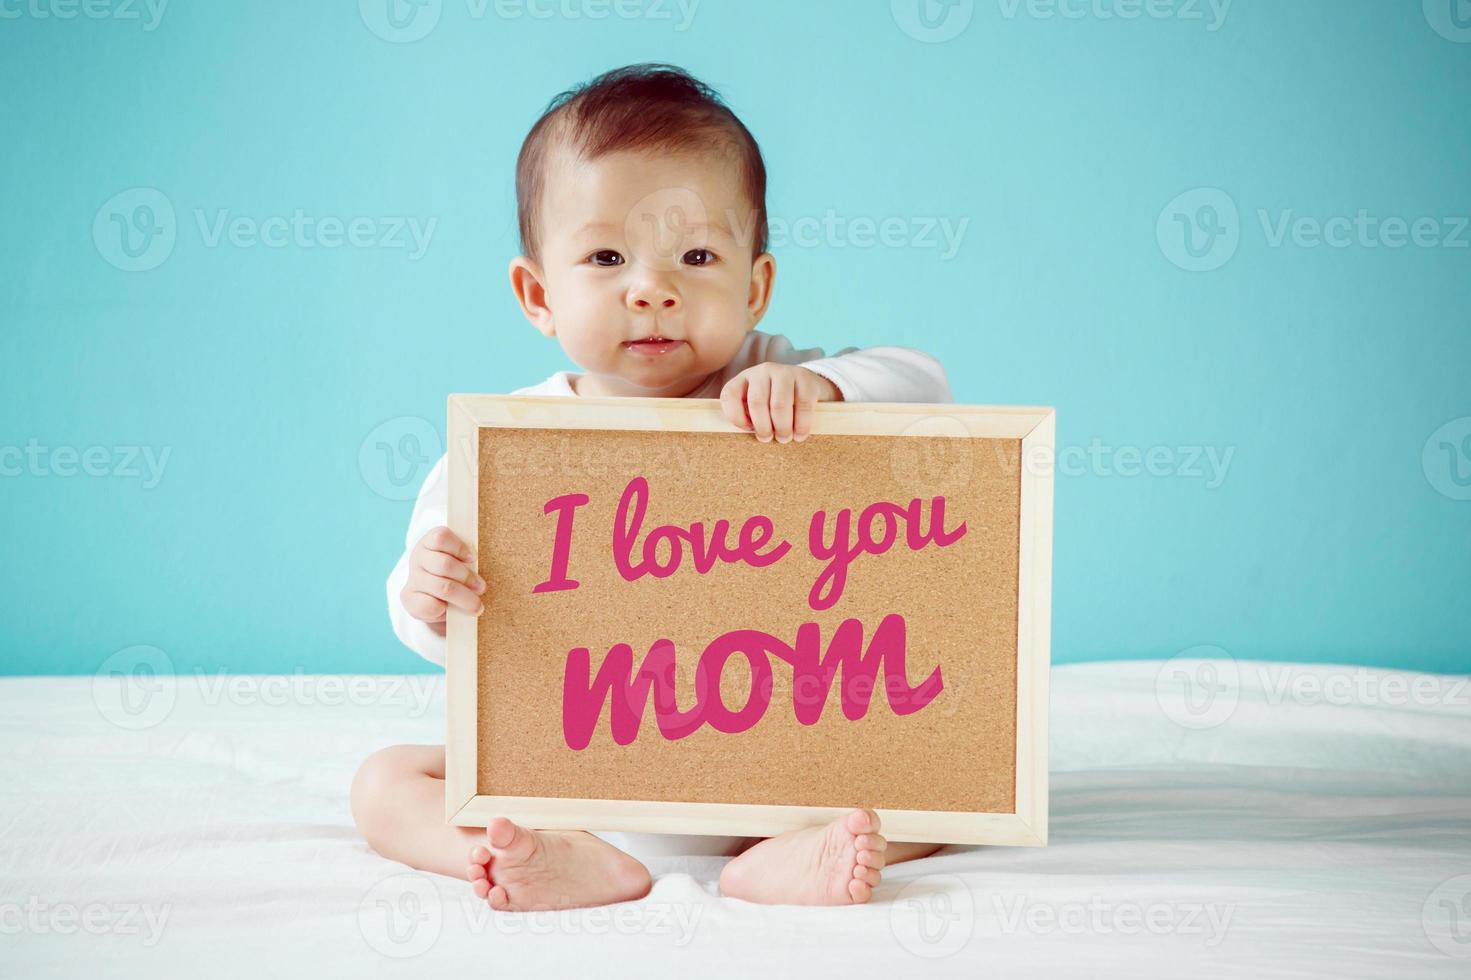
957 601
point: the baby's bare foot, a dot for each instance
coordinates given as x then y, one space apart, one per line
522 870
838 864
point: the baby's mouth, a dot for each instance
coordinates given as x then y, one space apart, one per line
652 345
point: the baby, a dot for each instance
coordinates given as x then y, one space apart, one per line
642 203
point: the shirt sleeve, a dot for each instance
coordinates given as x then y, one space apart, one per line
431 509
873 374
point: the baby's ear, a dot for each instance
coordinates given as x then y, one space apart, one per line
763 278
531 293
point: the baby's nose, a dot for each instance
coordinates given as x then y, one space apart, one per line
653 295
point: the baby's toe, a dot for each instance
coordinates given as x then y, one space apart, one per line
498 898
871 859
869 876
476 872
481 888
864 821
860 891
480 854
870 842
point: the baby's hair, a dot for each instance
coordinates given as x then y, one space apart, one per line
637 107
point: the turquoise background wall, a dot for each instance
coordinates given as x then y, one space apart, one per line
1228 242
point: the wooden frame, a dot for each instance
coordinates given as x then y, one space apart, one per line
1034 427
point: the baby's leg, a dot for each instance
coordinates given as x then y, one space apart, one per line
837 864
398 803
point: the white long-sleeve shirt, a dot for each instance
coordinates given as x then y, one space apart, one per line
874 374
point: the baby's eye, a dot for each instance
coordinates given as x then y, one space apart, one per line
699 256
606 257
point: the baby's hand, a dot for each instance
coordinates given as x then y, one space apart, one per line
440 576
776 399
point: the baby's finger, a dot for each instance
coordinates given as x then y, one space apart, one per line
802 416
445 541
442 565
733 402
424 608
758 406
448 591
783 397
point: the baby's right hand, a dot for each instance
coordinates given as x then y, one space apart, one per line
441 575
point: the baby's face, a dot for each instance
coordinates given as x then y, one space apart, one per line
637 246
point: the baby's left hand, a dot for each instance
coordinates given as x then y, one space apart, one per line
776 399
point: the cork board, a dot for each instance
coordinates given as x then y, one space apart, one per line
692 631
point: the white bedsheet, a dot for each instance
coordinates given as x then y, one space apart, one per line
1292 835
